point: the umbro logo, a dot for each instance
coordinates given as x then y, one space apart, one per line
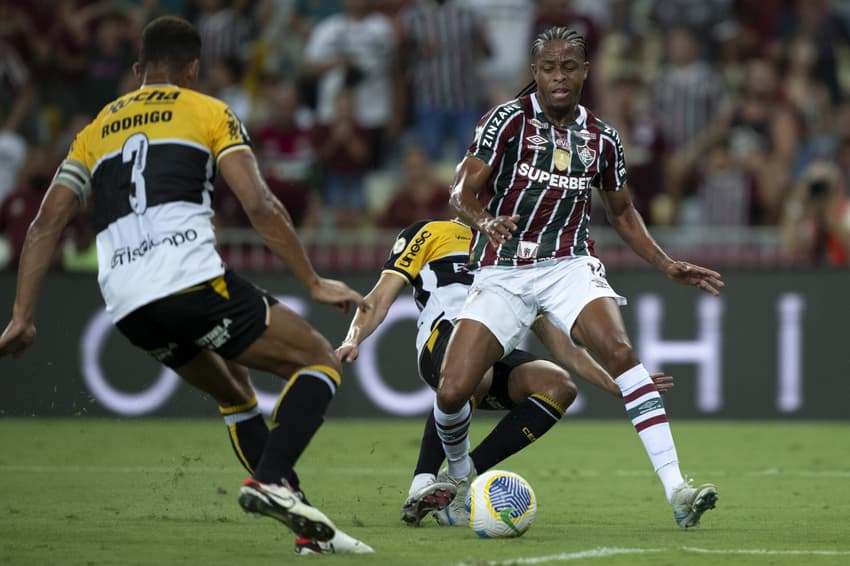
536 140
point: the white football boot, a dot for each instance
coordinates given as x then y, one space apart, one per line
689 503
435 496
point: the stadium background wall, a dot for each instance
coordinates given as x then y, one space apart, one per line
774 346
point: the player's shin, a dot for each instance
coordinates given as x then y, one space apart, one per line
646 411
525 423
298 415
453 430
247 431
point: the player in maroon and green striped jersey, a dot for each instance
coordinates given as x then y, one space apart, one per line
540 155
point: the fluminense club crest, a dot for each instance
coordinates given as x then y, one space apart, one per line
586 154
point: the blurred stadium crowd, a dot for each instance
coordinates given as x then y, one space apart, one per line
734 114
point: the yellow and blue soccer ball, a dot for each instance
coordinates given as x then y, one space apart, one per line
501 504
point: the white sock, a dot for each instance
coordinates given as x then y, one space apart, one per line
646 411
453 430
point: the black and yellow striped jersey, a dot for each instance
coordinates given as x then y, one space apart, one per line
148 162
432 256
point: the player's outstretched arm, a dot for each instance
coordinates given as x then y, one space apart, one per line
274 225
377 302
627 221
579 362
471 175
59 206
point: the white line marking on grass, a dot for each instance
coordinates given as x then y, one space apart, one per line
761 551
603 552
593 553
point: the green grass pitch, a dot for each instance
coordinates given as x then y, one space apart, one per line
109 492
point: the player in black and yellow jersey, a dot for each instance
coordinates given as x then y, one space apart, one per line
147 163
432 257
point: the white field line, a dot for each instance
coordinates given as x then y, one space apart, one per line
366 471
602 552
766 552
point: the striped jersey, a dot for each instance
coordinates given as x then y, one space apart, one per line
440 40
544 173
432 256
151 157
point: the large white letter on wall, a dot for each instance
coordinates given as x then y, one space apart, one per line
705 350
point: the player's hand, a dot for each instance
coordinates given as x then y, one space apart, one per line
499 229
16 338
689 274
663 382
337 293
347 352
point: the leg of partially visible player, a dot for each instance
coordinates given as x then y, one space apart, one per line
540 393
600 327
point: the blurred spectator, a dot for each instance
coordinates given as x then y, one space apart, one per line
284 146
66 67
109 56
440 42
224 29
727 192
224 82
343 148
687 95
420 196
287 156
812 100
282 35
314 11
687 92
710 21
15 89
816 220
356 51
762 132
624 108
20 207
818 21
508 26
13 150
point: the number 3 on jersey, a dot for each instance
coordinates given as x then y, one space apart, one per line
135 151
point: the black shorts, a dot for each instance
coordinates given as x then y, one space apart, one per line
431 360
225 315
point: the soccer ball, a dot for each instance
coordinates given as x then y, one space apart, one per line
501 504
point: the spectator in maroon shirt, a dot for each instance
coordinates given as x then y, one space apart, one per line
286 154
344 150
643 142
20 207
420 196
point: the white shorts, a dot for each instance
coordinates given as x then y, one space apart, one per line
507 299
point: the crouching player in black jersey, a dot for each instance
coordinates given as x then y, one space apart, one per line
431 256
147 162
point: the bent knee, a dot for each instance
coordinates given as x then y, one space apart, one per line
619 356
451 395
560 388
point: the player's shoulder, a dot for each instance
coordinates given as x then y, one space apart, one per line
427 232
412 231
507 109
594 122
205 100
